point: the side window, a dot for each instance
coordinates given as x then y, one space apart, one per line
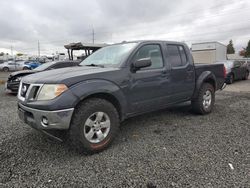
183 55
176 55
152 51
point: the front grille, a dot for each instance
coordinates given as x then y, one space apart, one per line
33 92
28 92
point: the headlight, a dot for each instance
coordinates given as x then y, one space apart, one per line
51 91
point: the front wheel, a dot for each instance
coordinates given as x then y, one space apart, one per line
205 100
94 125
6 69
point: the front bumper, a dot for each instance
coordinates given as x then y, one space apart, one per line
12 87
59 119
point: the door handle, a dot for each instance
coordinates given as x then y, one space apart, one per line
165 74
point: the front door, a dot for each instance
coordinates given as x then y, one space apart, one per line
149 86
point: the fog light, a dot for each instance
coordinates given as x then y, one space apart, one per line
45 121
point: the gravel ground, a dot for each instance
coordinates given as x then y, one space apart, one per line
4 76
169 148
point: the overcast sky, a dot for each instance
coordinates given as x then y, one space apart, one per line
58 22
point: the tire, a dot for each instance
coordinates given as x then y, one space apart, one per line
84 138
6 69
231 79
25 68
205 100
246 76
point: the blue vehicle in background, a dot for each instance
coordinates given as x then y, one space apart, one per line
29 65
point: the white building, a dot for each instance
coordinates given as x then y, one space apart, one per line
209 52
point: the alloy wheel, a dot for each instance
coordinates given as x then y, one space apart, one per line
207 99
97 127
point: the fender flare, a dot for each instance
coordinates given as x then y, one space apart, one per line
205 77
87 88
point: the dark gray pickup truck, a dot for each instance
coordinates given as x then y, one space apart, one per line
114 83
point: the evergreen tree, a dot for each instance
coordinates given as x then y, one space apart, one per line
230 48
247 54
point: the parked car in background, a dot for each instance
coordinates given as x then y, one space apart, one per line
236 70
247 64
13 81
19 65
31 65
9 66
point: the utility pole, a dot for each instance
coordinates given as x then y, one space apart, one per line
93 35
14 59
38 48
11 50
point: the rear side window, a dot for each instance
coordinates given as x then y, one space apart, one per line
183 55
152 51
176 55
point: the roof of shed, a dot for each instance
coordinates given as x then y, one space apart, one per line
84 46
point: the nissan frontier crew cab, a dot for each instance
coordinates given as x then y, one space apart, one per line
115 83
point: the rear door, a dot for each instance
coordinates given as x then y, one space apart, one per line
182 74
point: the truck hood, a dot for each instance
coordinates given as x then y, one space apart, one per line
68 76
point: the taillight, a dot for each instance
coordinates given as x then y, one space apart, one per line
225 72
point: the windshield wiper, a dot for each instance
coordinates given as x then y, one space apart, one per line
94 65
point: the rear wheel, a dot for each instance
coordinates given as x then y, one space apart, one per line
205 100
6 69
25 68
94 125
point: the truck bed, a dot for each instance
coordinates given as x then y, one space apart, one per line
216 69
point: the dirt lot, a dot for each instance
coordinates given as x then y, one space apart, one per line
169 148
3 76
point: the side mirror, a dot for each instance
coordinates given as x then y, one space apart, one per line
141 63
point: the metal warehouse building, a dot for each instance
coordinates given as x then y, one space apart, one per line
209 52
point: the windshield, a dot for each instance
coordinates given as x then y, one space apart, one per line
110 55
44 66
